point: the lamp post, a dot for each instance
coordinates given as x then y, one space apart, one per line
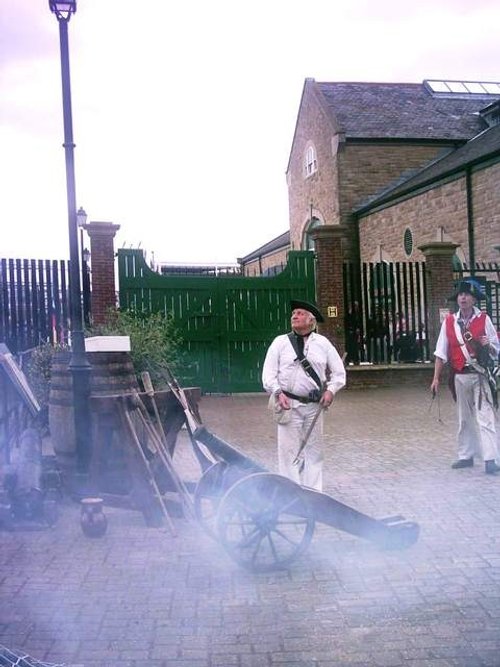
79 365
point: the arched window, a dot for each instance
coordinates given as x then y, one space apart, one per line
456 263
310 162
308 243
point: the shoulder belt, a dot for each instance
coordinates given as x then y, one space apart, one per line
303 361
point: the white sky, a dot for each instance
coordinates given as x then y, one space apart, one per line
184 112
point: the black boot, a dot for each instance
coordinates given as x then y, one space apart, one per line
490 467
463 463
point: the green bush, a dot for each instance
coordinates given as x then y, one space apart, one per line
38 371
155 342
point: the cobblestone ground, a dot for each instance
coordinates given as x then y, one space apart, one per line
139 596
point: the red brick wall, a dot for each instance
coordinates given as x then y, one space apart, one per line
102 255
329 245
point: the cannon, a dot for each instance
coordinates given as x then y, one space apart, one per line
264 520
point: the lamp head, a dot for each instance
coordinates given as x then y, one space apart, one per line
63 9
81 217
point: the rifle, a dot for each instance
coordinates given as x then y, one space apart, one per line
299 459
484 365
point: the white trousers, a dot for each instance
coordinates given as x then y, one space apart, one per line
290 436
476 418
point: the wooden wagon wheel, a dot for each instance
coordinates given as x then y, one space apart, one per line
264 523
207 495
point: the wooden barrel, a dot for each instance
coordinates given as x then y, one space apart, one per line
111 373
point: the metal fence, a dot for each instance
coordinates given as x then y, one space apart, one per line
488 273
386 312
34 303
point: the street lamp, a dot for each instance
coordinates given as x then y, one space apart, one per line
78 365
81 218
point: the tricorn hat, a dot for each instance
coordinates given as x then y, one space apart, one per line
310 307
469 286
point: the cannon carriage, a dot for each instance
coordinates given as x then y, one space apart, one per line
263 520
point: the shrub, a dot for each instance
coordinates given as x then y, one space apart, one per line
38 371
155 342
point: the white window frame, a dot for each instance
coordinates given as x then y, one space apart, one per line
310 161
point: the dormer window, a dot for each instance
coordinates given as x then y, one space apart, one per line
491 114
310 163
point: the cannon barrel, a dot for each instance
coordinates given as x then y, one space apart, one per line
392 532
226 452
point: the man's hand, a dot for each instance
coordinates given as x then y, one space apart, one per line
283 401
326 399
438 369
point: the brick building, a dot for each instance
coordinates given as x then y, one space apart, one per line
397 165
454 199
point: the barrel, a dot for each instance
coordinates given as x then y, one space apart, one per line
111 373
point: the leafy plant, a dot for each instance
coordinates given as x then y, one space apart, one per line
38 371
155 341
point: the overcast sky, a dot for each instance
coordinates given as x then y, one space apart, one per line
184 112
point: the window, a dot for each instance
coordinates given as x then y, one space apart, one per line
308 242
408 241
310 164
462 87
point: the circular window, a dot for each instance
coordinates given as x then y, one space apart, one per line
408 241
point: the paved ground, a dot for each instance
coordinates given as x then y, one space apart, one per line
138 596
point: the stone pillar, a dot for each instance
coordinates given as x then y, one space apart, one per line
439 277
102 258
329 246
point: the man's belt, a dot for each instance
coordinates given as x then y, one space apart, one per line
301 399
466 370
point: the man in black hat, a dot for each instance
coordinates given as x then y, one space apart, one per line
302 371
469 343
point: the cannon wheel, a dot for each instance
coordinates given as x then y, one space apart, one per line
207 496
264 523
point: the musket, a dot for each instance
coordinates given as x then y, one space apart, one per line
299 458
484 364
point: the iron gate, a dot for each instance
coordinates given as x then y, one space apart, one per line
386 312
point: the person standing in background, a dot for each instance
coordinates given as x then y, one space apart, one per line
469 343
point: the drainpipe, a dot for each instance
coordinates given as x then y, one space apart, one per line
470 221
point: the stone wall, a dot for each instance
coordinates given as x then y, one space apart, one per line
320 188
365 377
438 213
347 173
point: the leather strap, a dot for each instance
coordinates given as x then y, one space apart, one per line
292 337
